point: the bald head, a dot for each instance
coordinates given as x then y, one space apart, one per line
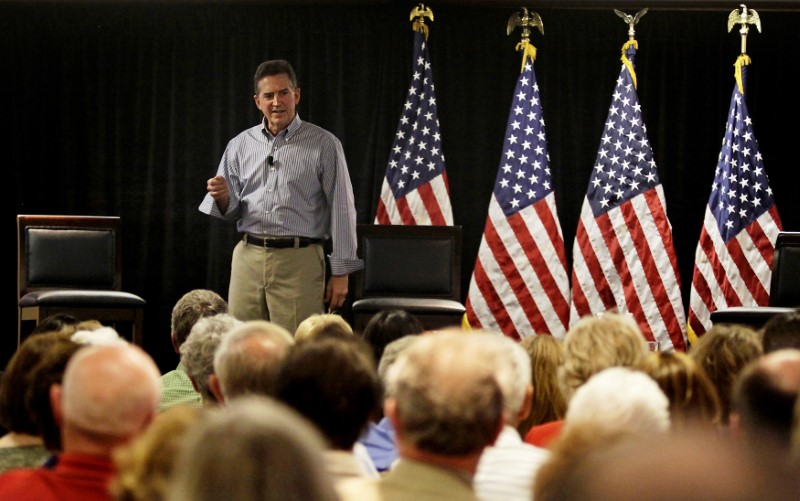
248 358
764 397
110 391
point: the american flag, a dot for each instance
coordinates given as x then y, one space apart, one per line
733 261
415 188
623 255
519 284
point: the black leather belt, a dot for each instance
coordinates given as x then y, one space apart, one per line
280 242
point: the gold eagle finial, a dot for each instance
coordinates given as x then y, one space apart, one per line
745 17
526 21
418 15
631 20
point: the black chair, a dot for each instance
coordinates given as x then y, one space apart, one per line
784 289
73 264
411 268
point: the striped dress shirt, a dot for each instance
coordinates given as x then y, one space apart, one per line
292 184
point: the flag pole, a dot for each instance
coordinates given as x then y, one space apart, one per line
745 17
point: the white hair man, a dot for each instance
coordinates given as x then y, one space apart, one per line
495 480
109 394
197 352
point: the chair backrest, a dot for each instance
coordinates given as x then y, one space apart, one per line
409 261
68 252
784 287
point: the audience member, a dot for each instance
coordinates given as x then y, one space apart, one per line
109 395
548 404
22 445
387 326
686 465
593 344
197 352
781 331
248 359
379 439
722 352
176 387
446 406
256 449
56 323
693 398
614 406
92 332
334 384
508 467
47 372
322 324
763 400
145 466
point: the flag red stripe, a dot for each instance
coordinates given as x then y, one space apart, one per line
406 216
551 225
702 288
431 204
747 273
557 300
632 302
493 300
381 216
472 318
595 270
512 276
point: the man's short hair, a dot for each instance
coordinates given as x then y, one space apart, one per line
274 67
446 396
512 367
781 331
194 305
333 382
249 357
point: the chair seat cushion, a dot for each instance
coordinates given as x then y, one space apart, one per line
755 316
412 305
81 298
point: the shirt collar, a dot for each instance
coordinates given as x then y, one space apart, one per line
288 132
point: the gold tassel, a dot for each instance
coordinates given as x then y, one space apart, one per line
528 51
627 62
742 60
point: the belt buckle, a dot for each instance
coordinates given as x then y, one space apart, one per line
281 242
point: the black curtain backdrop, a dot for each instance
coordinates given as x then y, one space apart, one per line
125 109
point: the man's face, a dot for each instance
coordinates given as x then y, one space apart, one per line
276 99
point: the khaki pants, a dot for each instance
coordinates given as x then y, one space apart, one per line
284 286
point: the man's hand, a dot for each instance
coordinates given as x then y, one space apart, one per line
336 292
218 189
